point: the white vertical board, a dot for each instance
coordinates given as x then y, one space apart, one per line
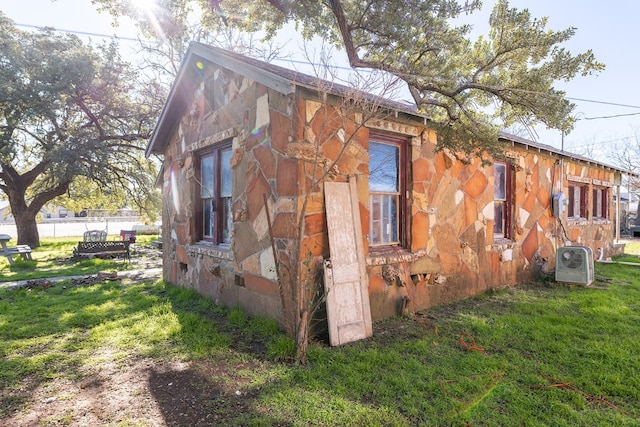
346 280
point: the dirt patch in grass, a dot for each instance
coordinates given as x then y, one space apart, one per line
120 390
139 392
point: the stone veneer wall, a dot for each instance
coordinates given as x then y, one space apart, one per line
451 253
259 122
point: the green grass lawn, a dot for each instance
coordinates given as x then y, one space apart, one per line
539 354
53 259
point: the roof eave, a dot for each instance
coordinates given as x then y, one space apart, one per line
527 144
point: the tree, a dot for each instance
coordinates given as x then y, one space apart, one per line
471 90
69 111
627 156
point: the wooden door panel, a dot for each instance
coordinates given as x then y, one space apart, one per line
346 281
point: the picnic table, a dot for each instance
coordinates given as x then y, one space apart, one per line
10 251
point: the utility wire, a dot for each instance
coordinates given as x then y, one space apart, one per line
609 117
333 66
82 33
603 102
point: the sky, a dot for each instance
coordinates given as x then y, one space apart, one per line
608 105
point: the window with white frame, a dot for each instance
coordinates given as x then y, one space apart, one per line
213 214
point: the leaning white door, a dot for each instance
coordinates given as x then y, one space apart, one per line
346 281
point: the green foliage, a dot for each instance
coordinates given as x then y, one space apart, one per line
74 120
52 259
20 264
470 89
282 348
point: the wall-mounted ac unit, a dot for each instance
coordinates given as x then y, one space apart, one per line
574 264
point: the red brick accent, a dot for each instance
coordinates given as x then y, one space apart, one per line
261 285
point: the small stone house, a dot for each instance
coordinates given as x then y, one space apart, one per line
247 147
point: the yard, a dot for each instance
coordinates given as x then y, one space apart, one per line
130 353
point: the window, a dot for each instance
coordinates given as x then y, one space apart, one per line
387 191
577 201
600 203
213 213
502 200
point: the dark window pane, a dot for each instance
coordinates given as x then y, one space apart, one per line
394 218
225 173
383 167
207 207
375 222
206 177
498 218
225 211
500 182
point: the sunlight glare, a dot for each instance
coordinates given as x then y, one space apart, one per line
143 5
149 8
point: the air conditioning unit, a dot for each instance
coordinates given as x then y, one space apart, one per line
574 264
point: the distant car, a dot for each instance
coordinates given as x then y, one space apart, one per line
81 214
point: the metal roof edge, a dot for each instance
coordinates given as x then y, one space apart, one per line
566 154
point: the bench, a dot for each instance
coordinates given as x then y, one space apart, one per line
23 250
10 251
106 249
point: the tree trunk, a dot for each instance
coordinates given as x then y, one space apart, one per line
27 229
302 338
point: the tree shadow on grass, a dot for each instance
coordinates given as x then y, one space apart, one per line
195 396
